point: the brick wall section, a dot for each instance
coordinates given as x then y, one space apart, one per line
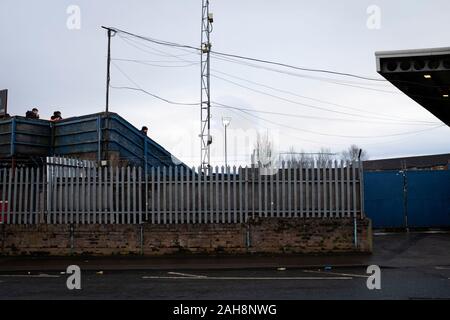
263 235
310 235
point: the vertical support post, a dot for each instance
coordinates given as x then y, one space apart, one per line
289 189
20 199
146 178
170 194
235 185
153 194
181 208
361 188
217 194
223 186
191 214
139 183
313 189
164 194
302 199
128 183
108 68
111 215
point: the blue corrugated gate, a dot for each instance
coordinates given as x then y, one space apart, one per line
393 199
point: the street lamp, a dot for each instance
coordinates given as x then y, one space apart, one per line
226 122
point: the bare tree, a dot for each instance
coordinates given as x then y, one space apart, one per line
263 154
292 155
307 160
323 157
352 153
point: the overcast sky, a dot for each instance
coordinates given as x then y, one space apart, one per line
44 63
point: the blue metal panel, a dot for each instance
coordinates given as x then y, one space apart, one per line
429 198
82 135
383 199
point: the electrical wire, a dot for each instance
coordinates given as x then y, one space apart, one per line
387 117
155 96
139 88
158 65
160 53
269 121
383 117
318 108
293 115
334 135
297 68
332 81
245 111
229 55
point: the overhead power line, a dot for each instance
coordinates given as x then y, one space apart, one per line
365 86
387 117
229 55
297 102
297 68
234 58
293 115
156 96
183 47
158 65
216 104
344 136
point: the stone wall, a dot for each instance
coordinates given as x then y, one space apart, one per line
262 235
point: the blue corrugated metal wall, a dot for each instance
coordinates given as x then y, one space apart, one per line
427 198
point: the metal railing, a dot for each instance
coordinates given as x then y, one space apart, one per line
58 194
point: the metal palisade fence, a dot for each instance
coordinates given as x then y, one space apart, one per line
82 193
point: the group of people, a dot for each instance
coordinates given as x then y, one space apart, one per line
34 114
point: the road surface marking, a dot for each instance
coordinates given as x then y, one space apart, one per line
186 275
337 274
247 278
442 268
28 276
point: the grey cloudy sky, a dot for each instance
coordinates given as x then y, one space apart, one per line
45 64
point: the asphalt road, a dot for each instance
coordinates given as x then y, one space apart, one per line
413 266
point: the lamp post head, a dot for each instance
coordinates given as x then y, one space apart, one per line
226 121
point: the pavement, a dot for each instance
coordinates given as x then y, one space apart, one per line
413 265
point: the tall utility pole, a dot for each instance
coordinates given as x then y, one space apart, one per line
103 152
111 33
205 112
